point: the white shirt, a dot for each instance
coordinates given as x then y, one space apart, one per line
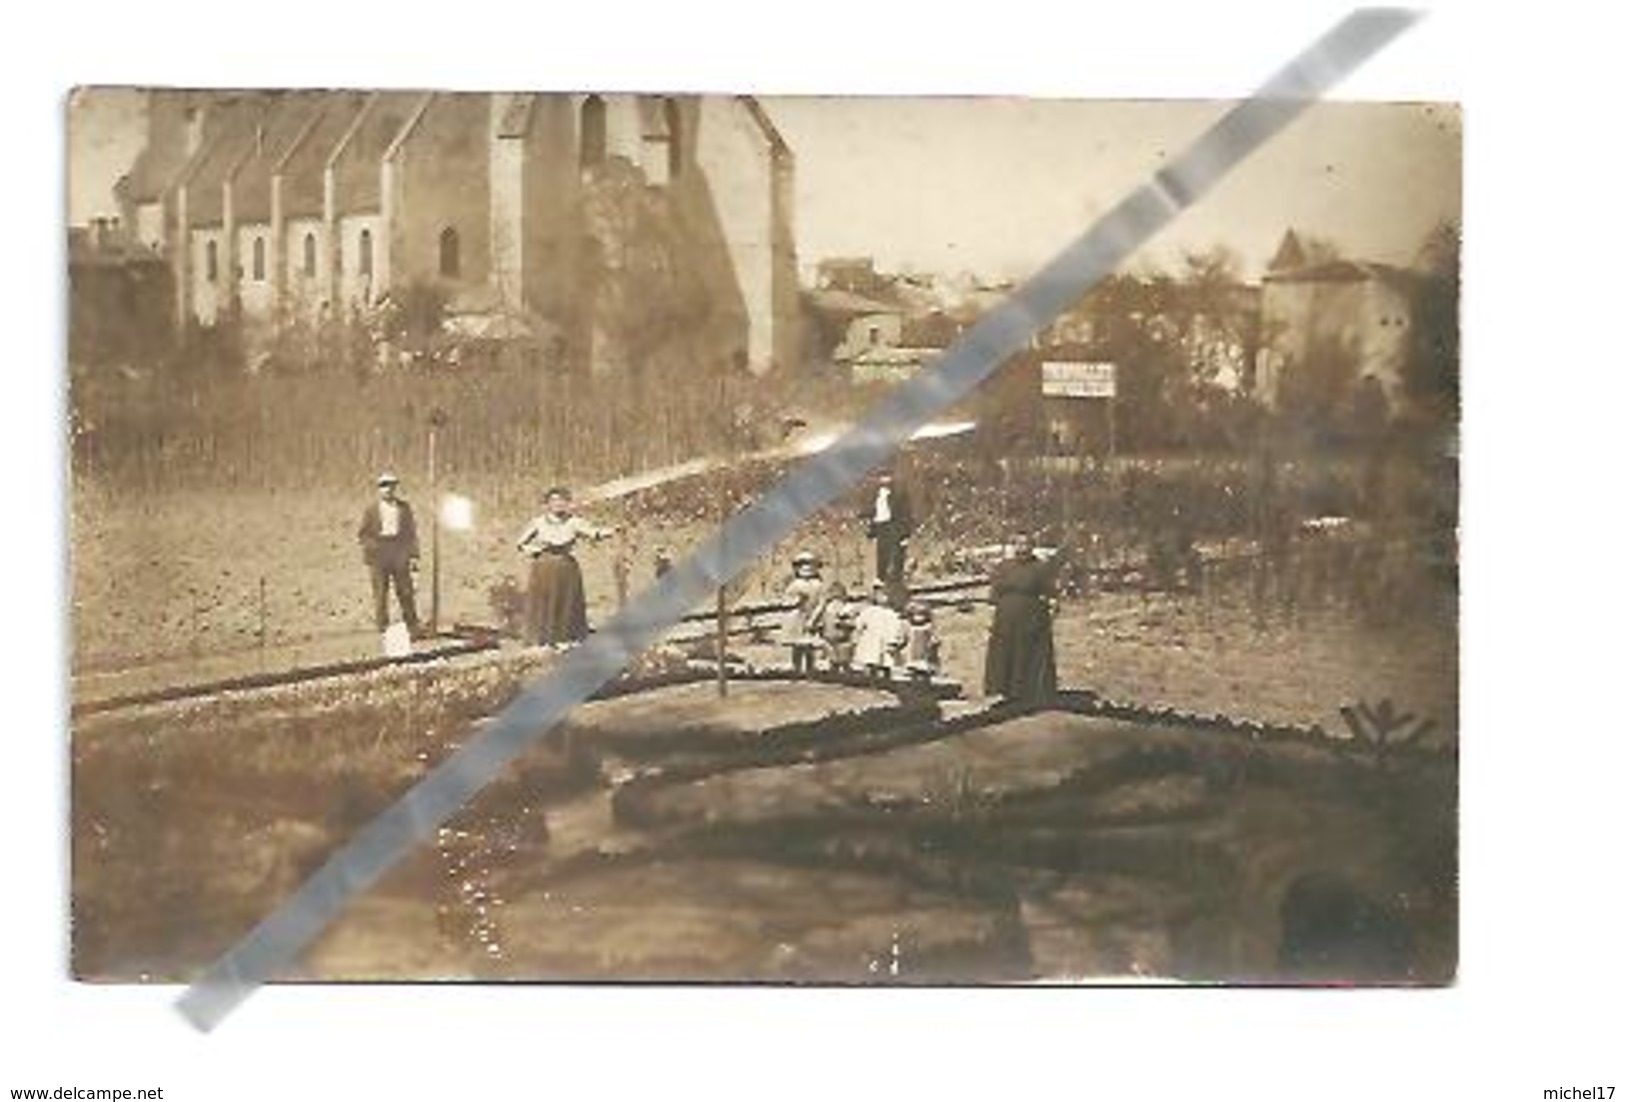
554 533
883 505
389 519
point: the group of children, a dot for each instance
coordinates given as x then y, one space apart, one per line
870 636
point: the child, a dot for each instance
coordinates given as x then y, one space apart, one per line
922 650
840 628
804 622
880 635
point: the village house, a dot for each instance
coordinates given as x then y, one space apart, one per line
274 207
120 296
877 326
863 322
854 274
1317 307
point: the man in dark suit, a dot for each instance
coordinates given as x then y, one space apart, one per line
890 519
389 545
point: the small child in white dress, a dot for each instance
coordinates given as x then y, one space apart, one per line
879 635
803 624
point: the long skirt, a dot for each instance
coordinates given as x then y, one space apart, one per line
556 607
1020 651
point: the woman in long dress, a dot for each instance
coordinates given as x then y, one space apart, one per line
1021 649
556 606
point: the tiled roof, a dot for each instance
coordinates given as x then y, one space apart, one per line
286 118
1340 271
764 123
303 165
1302 250
231 139
832 300
155 168
356 162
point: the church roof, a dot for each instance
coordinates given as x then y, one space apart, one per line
1341 271
284 121
303 163
234 119
363 147
833 300
1300 250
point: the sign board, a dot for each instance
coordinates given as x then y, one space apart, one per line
397 641
456 513
1079 380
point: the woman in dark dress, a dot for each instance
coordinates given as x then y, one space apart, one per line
1021 649
556 606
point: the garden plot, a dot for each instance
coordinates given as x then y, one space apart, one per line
699 919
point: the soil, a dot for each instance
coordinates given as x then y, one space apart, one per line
1047 846
797 832
166 592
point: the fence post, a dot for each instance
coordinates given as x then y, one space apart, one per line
260 629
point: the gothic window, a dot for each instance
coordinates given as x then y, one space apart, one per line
211 262
310 255
364 251
259 260
450 254
594 131
674 137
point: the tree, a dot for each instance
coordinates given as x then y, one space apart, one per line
416 314
1182 342
1318 395
1432 369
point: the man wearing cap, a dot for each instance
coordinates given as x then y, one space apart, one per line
890 521
389 546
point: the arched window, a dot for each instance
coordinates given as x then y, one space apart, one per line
211 262
450 254
310 256
674 137
259 260
364 253
594 131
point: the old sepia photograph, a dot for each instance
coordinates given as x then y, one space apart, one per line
1138 663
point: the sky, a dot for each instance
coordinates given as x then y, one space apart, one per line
998 185
106 129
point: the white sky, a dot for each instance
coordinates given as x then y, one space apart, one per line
106 129
996 186
1000 185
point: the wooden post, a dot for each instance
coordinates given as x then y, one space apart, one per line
437 419
622 565
434 539
260 631
722 519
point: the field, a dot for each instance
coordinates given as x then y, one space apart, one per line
801 832
797 831
168 590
